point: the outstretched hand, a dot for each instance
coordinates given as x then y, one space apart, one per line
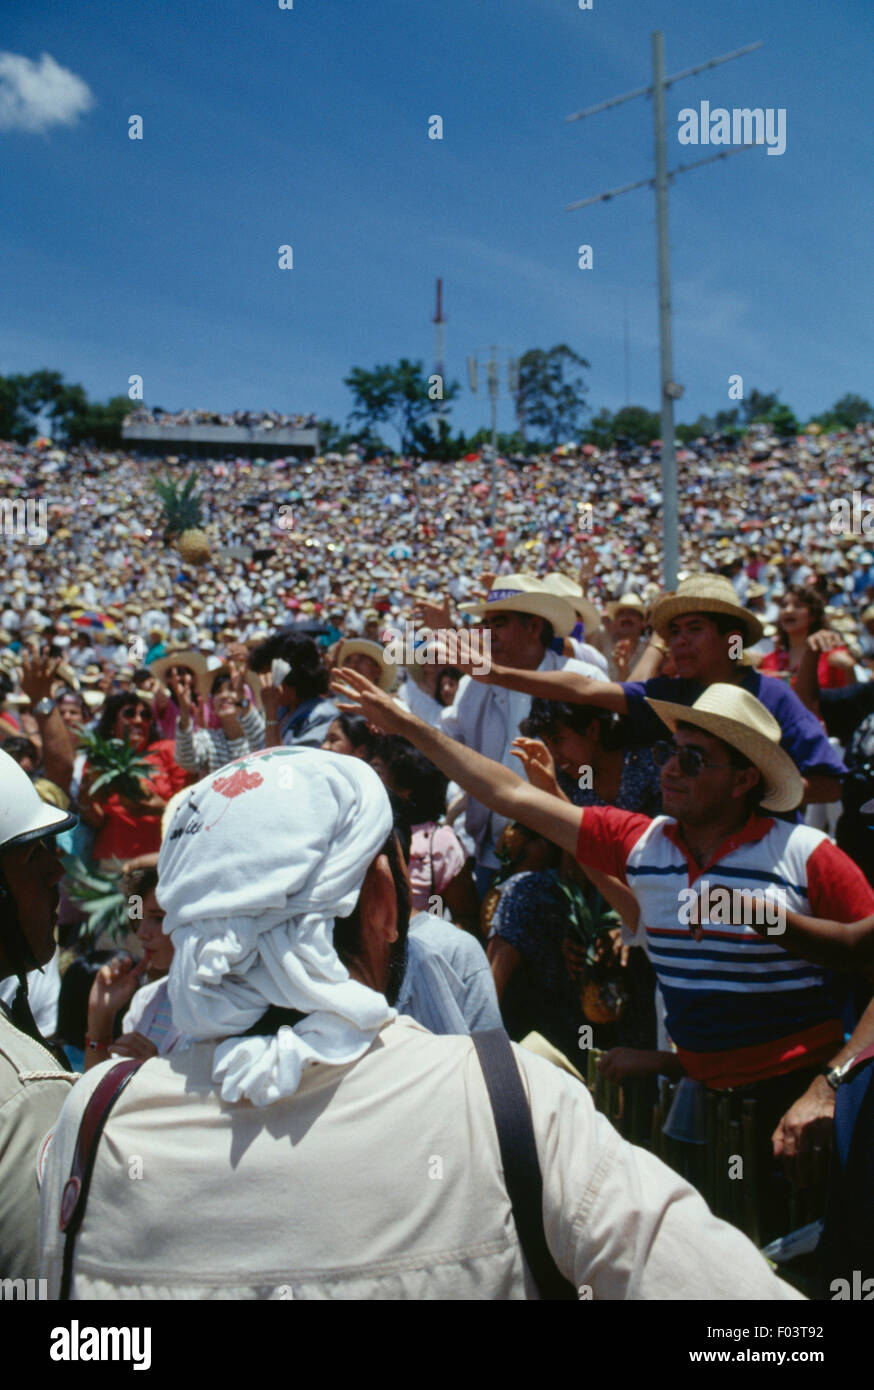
270 695
825 640
38 674
430 614
361 696
537 764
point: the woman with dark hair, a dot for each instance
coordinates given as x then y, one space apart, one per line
126 826
294 689
802 612
352 735
588 746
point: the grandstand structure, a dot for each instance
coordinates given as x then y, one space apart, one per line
221 441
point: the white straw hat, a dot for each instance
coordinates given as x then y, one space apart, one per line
736 717
388 673
560 584
705 593
525 593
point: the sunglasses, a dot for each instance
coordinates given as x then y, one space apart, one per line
134 712
691 760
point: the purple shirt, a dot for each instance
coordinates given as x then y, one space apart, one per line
804 738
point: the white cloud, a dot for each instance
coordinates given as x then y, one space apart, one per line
35 96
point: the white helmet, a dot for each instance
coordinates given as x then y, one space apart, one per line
23 814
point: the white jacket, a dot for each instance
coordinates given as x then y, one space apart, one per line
380 1179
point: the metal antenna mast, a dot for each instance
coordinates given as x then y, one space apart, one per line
670 391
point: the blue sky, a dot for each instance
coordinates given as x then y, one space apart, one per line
309 127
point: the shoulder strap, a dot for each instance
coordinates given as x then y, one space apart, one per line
519 1158
102 1099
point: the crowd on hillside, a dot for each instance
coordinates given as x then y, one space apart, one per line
522 828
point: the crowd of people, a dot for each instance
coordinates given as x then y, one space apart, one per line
250 419
334 868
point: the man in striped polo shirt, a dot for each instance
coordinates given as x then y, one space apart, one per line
741 1012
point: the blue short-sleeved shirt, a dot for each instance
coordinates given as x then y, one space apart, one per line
804 738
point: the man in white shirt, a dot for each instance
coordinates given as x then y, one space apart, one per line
522 617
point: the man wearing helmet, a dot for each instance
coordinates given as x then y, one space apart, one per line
33 1085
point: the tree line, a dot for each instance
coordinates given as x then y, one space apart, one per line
550 405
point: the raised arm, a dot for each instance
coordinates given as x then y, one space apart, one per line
38 676
565 685
488 782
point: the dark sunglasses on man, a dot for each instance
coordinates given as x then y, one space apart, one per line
691 760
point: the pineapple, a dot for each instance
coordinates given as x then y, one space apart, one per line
120 768
183 519
603 988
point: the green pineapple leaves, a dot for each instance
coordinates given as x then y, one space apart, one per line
181 505
100 897
121 769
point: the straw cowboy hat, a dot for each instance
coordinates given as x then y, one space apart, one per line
438 659
705 593
183 656
633 602
737 718
560 584
251 679
350 645
525 593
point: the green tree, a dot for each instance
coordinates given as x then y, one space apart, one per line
442 445
758 405
723 422
514 443
332 438
600 431
636 423
783 421
96 423
398 396
14 419
552 393
846 413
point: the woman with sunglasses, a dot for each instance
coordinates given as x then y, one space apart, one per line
127 827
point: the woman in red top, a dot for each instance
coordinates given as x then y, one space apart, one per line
801 613
126 828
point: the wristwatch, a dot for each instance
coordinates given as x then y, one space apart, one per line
835 1075
44 706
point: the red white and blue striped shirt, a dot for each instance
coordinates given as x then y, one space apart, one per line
738 1007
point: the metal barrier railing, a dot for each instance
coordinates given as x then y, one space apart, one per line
638 1108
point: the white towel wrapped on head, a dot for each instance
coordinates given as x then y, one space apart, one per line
256 862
